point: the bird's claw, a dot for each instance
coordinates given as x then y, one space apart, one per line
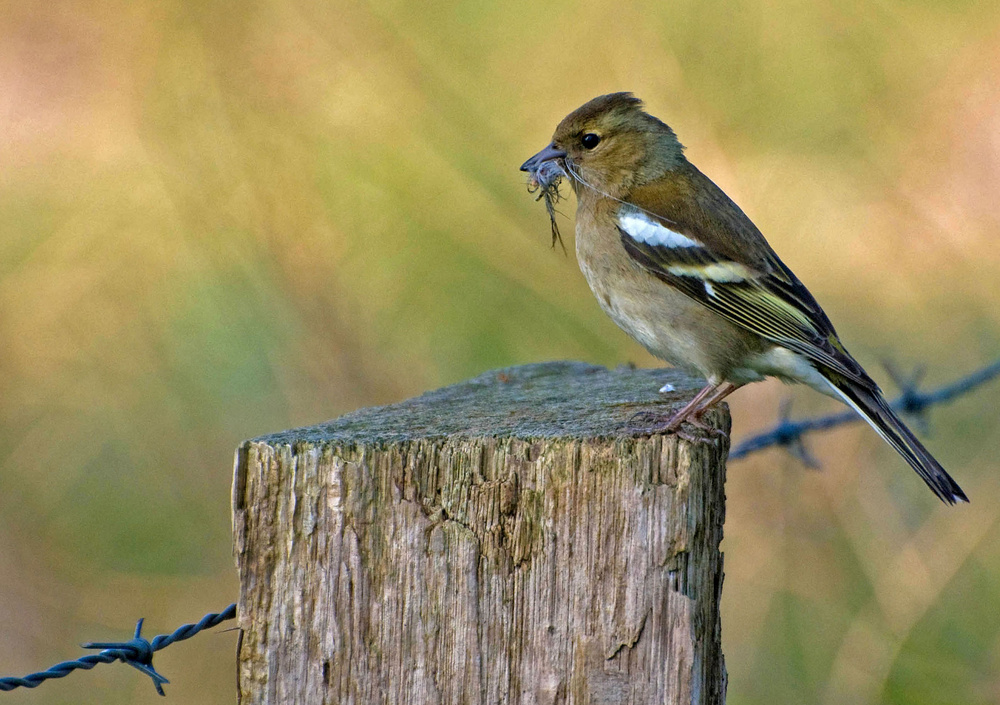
651 422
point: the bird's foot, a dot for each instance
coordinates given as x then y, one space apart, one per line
651 422
699 423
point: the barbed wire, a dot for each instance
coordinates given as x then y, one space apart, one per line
914 403
136 652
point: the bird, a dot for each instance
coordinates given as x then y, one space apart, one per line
684 271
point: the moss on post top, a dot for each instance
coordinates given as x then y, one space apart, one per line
543 400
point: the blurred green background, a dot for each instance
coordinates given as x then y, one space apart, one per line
221 219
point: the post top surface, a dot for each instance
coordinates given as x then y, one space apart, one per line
542 400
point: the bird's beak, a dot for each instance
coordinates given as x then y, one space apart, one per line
550 153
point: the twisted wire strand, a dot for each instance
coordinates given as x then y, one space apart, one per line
137 652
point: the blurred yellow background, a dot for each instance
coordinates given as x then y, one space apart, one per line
222 219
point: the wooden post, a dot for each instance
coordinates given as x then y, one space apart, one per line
501 541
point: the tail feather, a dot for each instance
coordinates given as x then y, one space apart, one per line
874 409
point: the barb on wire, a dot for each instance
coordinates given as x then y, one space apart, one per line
911 401
136 652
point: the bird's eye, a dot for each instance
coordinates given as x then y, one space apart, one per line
590 140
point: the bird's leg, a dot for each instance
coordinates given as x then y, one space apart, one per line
724 390
692 412
673 422
694 416
694 407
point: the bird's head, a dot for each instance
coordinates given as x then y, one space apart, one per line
610 145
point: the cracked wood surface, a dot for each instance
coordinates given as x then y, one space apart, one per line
503 540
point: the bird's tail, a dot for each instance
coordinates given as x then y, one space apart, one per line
874 409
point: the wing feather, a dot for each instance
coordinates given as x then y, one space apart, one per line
749 286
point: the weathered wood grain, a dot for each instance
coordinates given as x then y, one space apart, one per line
504 540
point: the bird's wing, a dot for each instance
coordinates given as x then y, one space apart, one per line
688 233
